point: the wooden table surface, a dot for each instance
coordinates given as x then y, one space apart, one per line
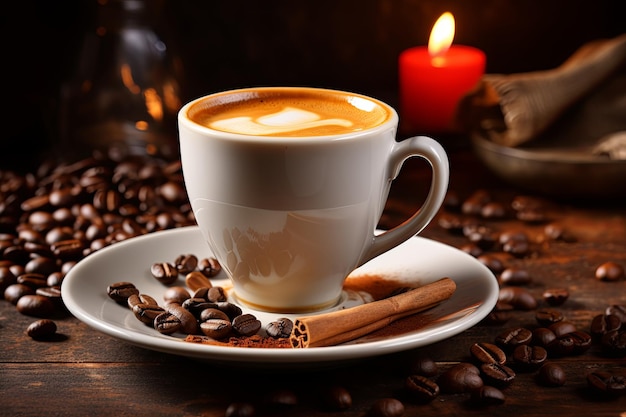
84 372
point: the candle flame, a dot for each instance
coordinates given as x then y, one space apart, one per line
441 35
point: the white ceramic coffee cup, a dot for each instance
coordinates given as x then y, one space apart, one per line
289 218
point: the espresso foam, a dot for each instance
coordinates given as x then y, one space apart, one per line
288 112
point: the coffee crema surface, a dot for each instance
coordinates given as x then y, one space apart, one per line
289 112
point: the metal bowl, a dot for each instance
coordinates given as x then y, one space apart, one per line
559 172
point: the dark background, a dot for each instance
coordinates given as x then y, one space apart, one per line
345 44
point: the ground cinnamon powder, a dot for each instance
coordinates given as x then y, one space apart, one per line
377 286
256 341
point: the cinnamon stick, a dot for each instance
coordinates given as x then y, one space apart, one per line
340 326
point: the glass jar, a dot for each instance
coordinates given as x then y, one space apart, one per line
125 91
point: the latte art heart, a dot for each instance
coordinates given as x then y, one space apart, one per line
289 119
289 112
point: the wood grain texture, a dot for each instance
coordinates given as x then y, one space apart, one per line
84 372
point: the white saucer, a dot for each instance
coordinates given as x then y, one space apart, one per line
418 261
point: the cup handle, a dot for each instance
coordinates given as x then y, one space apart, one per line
434 153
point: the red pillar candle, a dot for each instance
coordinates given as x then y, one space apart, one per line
433 79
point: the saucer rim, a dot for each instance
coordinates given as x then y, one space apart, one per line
82 277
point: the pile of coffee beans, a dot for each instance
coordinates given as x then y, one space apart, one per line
52 218
200 308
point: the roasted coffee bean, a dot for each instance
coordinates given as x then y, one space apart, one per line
548 316
610 271
604 323
210 267
525 202
494 263
515 276
167 323
40 250
281 327
120 291
146 312
472 249
526 357
68 249
487 353
562 327
173 192
135 299
16 254
64 197
614 343
67 266
532 216
554 231
35 305
107 200
14 292
451 222
508 235
472 206
165 221
555 296
423 365
213 313
460 378
216 328
386 407
511 338
231 310
176 294
201 292
164 272
186 264
607 384
129 226
55 279
336 398
618 310
95 231
551 375
53 294
497 374
41 265
482 236
41 220
196 305
542 336
582 341
246 324
520 298
563 345
35 203
240 409
216 294
42 329
516 247
188 321
33 280
493 210
488 395
420 389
